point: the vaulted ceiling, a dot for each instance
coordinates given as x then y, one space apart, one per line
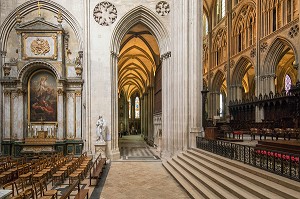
138 58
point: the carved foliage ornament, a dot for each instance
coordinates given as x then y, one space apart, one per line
105 13
263 47
162 8
294 31
40 46
253 52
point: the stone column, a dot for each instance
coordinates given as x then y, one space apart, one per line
166 148
70 115
229 50
78 127
142 113
239 92
146 115
112 144
15 115
150 128
195 69
7 115
60 114
20 121
272 83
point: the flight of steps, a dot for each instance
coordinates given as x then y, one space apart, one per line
206 175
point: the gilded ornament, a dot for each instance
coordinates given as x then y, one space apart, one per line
59 17
40 46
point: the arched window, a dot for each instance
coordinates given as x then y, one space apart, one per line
129 109
274 19
205 25
287 83
137 107
221 111
289 10
220 9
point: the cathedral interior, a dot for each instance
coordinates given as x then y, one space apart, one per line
149 99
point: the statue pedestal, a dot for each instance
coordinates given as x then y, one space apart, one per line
100 147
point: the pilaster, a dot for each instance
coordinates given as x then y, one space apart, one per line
7 115
195 69
60 114
78 127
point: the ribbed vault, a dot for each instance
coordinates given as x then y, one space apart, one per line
138 58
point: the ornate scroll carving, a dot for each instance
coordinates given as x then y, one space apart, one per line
40 46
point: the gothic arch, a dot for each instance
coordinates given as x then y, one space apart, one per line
30 6
218 81
138 15
274 54
27 70
240 69
143 15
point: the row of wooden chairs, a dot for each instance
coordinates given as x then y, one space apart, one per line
14 168
287 133
73 169
34 190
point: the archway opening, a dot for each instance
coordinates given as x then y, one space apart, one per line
139 90
286 74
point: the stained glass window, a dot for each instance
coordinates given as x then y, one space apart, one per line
137 107
129 108
221 105
288 83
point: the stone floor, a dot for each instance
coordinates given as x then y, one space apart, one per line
139 174
140 180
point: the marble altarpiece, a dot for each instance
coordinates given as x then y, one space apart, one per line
42 92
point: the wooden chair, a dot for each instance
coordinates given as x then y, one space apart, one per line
10 186
19 185
52 193
28 194
37 189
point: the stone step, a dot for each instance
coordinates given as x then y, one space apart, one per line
183 182
283 186
222 190
240 184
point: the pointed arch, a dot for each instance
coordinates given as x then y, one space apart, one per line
240 69
218 81
143 15
275 53
138 15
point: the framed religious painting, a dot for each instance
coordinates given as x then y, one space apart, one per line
42 97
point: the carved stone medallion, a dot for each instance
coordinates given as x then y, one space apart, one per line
162 8
40 46
105 13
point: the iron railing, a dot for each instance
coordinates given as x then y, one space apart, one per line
278 162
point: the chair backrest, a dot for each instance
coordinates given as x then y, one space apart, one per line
10 186
28 194
37 189
19 185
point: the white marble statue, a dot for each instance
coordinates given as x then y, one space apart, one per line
100 125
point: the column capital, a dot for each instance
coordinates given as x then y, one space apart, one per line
114 54
165 56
